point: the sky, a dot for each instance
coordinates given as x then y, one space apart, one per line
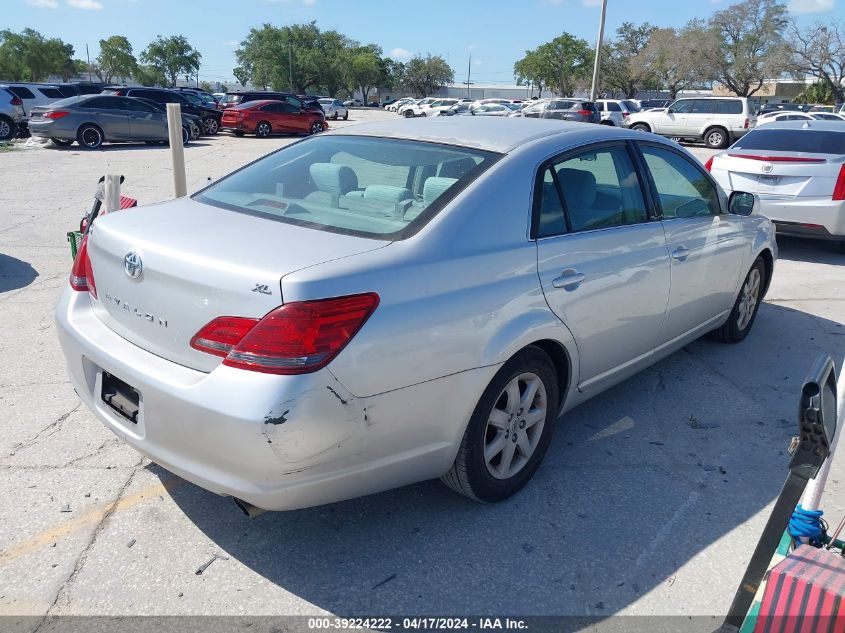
495 33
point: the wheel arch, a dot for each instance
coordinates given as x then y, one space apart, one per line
713 125
562 362
92 124
769 263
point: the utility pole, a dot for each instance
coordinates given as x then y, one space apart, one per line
597 66
88 57
469 74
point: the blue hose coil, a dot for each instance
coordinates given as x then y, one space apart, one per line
806 524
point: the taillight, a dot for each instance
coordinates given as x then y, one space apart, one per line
56 114
709 164
747 123
16 101
839 189
625 115
585 112
296 338
81 274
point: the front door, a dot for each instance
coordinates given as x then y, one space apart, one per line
674 120
145 122
603 264
705 245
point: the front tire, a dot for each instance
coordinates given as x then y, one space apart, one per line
641 127
186 135
334 117
316 128
744 312
408 114
509 431
90 136
346 116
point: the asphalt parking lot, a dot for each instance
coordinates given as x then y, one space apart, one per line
650 500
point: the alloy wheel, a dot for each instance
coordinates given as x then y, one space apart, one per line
316 128
5 129
263 130
748 301
211 126
91 137
515 425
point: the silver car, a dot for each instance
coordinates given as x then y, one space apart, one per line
394 303
11 114
334 109
92 120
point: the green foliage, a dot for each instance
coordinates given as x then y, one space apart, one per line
426 75
171 57
115 59
149 76
563 64
206 87
29 56
818 50
819 92
619 72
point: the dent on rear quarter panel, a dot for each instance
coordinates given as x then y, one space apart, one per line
325 419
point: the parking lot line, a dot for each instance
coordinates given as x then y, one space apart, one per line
93 516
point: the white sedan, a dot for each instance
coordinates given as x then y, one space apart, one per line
334 109
797 168
780 117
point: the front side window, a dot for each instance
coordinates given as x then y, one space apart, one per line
372 187
681 107
683 190
598 189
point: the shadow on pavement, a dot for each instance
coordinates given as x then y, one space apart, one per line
15 273
636 484
811 251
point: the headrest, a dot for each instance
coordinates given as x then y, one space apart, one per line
387 194
434 188
457 168
334 179
579 188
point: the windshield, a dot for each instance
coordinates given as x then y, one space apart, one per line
808 141
371 187
190 96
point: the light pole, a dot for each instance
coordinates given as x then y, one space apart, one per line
597 66
290 65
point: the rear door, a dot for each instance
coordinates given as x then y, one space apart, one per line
706 246
701 113
603 264
108 112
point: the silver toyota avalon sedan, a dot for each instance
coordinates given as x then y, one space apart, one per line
403 301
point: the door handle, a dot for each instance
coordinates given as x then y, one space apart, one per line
681 253
570 279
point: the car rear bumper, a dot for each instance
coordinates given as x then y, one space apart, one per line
277 442
51 129
807 217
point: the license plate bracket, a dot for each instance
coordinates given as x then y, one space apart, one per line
121 397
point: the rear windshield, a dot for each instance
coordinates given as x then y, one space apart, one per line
809 141
230 99
370 187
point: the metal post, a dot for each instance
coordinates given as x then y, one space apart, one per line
177 151
111 192
290 65
597 65
469 74
88 57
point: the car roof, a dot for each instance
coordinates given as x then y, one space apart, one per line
495 134
813 124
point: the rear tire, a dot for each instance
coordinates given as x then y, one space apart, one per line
745 309
334 117
90 136
211 126
610 123
316 128
641 127
717 138
263 129
60 142
186 135
8 128
408 114
346 116
499 452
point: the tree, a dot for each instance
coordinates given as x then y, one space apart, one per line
172 56
619 73
819 92
562 64
819 51
74 68
426 75
29 56
529 70
675 58
242 75
206 87
149 76
748 46
365 69
115 59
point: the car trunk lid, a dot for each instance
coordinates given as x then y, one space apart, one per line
781 174
198 263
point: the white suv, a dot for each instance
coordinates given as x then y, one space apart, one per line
717 120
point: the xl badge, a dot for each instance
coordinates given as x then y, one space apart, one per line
133 265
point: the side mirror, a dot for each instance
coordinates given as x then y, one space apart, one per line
742 203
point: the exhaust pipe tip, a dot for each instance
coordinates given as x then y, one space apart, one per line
248 509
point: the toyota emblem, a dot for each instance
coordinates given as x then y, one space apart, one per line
767 168
133 265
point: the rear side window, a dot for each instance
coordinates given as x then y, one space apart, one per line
682 189
596 189
102 103
371 187
51 93
729 106
613 107
809 141
22 92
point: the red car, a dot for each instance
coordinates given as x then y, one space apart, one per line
267 117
